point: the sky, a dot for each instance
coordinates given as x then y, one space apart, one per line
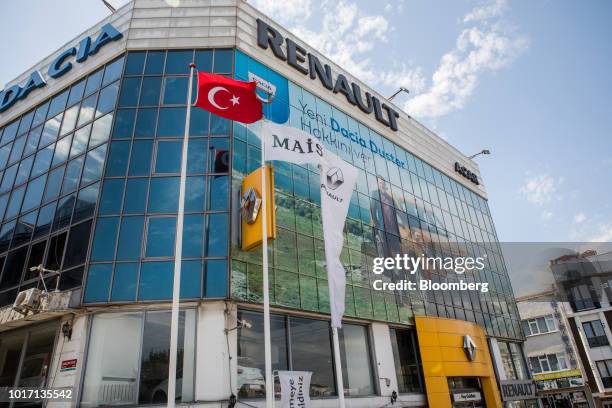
529 80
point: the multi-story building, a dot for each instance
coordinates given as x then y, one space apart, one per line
90 143
583 281
551 352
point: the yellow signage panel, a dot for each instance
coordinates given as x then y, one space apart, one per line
559 374
251 209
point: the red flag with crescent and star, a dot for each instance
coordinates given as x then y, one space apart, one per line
228 98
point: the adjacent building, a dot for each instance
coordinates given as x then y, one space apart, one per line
90 143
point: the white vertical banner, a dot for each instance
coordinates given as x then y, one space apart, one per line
338 179
295 389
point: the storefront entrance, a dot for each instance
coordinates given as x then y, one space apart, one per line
466 392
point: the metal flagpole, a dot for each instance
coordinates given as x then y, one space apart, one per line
178 254
338 364
266 283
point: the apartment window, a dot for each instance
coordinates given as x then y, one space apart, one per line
406 361
605 371
539 325
595 333
548 362
303 345
580 297
134 370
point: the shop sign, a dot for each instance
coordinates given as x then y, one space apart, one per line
466 173
560 374
295 389
68 365
517 390
59 66
467 396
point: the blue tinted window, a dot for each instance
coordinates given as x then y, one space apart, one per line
218 155
15 202
163 196
10 131
191 279
62 149
103 247
45 218
171 122
216 278
218 192
3 204
93 81
100 130
203 60
113 71
34 193
42 160
70 120
88 109
108 97
41 114
168 157
18 146
63 212
124 123
4 155
193 229
223 61
136 196
118 158
31 144
98 283
24 170
58 103
140 164
9 178
145 124
130 238
79 143
196 156
216 235
76 92
135 63
73 172
218 125
198 123
93 165
175 91
177 62
161 232
155 62
151 88
112 193
124 282
156 281
25 123
6 234
194 193
24 229
130 88
51 130
86 202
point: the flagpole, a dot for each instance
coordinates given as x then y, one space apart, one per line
266 283
178 254
338 364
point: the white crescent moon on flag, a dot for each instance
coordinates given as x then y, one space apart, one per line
211 96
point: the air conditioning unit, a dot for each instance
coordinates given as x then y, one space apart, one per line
27 300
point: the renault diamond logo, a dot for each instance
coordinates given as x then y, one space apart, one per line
335 178
249 205
469 347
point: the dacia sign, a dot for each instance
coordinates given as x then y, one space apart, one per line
60 65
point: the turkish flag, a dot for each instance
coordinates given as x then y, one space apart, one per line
228 98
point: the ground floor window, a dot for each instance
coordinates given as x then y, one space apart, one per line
303 344
25 357
128 357
407 369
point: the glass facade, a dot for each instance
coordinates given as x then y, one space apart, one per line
410 208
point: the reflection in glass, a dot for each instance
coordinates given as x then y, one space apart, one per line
160 237
86 202
88 109
130 238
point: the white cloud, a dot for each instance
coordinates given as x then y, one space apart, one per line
579 218
286 11
477 50
486 11
603 235
540 189
547 215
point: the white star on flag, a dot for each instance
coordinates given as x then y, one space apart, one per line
235 100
